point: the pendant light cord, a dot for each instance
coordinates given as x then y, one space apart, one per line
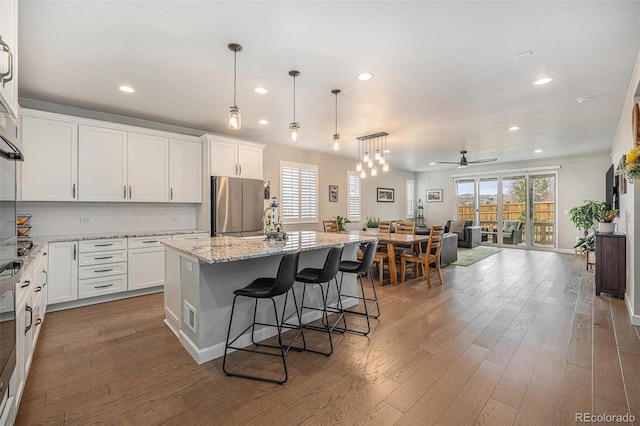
294 98
336 113
235 56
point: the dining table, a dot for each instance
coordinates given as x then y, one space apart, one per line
391 240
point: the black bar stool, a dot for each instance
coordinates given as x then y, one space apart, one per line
320 276
266 288
361 268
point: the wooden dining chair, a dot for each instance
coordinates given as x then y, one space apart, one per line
385 227
330 225
406 228
430 257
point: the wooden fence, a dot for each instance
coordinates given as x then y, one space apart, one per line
543 217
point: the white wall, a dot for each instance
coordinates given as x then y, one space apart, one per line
332 170
630 202
579 178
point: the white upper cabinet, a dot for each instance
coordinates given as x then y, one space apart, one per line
185 171
147 168
50 169
102 164
9 55
235 158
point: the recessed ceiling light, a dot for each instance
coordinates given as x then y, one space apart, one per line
263 121
432 164
544 80
261 90
583 99
365 76
537 151
514 128
127 89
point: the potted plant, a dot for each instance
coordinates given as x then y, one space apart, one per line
342 221
585 217
372 224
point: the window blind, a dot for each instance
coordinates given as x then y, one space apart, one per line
299 186
353 202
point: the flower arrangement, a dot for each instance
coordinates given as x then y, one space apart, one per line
373 221
632 168
342 221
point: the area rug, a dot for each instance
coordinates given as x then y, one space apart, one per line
468 256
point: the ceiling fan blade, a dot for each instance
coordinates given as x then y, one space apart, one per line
448 162
486 160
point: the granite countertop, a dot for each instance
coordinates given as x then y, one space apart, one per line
231 249
40 243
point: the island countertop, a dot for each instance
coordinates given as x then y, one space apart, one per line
231 249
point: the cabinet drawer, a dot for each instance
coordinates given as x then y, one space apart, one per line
96 271
99 258
102 245
99 286
146 242
190 236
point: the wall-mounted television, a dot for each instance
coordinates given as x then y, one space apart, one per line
611 189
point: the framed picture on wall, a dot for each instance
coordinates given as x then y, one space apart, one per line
434 195
386 195
333 193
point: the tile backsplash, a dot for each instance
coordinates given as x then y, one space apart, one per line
63 218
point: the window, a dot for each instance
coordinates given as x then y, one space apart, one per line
299 185
353 202
410 197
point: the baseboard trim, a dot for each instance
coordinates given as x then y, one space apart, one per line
635 319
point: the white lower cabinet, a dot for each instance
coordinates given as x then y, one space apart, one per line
31 304
63 272
103 267
146 262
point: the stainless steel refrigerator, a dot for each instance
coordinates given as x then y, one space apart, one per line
236 206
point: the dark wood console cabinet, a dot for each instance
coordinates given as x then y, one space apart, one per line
611 264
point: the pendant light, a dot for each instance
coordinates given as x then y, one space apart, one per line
294 126
373 149
335 146
235 122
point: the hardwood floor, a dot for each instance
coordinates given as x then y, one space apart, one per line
517 338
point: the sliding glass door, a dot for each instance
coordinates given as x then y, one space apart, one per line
513 210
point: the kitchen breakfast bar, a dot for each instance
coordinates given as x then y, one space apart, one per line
202 274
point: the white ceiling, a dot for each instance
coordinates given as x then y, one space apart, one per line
446 73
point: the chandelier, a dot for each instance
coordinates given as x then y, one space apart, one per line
372 151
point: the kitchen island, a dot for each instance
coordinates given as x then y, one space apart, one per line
202 274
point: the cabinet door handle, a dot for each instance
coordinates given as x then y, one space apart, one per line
30 310
171 196
103 257
74 190
6 76
38 289
10 77
124 192
39 321
129 191
103 245
26 284
46 277
240 168
74 252
103 270
149 241
104 286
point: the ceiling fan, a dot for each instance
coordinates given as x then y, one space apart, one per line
464 162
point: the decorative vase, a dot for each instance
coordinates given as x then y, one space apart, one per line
375 231
606 227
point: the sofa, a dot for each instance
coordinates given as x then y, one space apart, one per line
449 250
469 236
512 232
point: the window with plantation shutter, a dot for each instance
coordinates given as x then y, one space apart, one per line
299 186
411 202
353 201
